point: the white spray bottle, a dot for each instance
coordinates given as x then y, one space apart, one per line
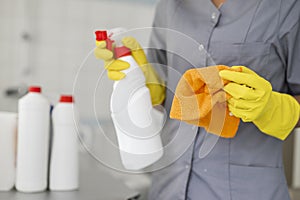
136 122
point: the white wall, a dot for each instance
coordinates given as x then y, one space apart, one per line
61 34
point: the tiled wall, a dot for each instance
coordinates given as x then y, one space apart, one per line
60 37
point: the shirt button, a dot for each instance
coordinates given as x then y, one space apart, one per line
213 15
201 48
187 166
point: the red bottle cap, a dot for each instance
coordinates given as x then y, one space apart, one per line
122 51
35 89
66 99
101 35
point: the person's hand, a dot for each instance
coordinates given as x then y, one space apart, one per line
115 67
253 100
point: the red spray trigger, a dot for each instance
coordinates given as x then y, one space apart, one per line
101 36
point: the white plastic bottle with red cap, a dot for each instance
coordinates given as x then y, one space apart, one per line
33 142
64 157
136 122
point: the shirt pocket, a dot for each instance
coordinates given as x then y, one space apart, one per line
260 183
254 55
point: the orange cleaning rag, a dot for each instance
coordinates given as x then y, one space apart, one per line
200 100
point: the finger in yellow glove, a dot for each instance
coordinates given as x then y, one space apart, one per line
253 100
114 67
153 81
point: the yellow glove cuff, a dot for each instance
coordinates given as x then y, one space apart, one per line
280 116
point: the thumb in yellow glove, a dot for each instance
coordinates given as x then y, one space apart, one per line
253 100
115 67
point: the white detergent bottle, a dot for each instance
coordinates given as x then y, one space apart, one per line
136 122
33 142
64 166
8 124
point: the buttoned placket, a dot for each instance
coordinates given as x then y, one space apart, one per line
187 163
214 19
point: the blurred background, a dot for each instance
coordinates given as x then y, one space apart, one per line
44 42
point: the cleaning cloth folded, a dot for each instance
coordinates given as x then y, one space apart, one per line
200 100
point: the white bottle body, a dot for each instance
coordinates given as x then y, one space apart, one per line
136 122
33 143
8 124
64 168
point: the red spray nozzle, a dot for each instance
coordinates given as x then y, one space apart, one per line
101 36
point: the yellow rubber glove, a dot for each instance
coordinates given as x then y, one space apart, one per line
253 100
114 67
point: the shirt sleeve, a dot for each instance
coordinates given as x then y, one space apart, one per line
289 38
291 42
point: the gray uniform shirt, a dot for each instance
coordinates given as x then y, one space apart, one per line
263 35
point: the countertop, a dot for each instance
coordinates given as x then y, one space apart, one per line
95 184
